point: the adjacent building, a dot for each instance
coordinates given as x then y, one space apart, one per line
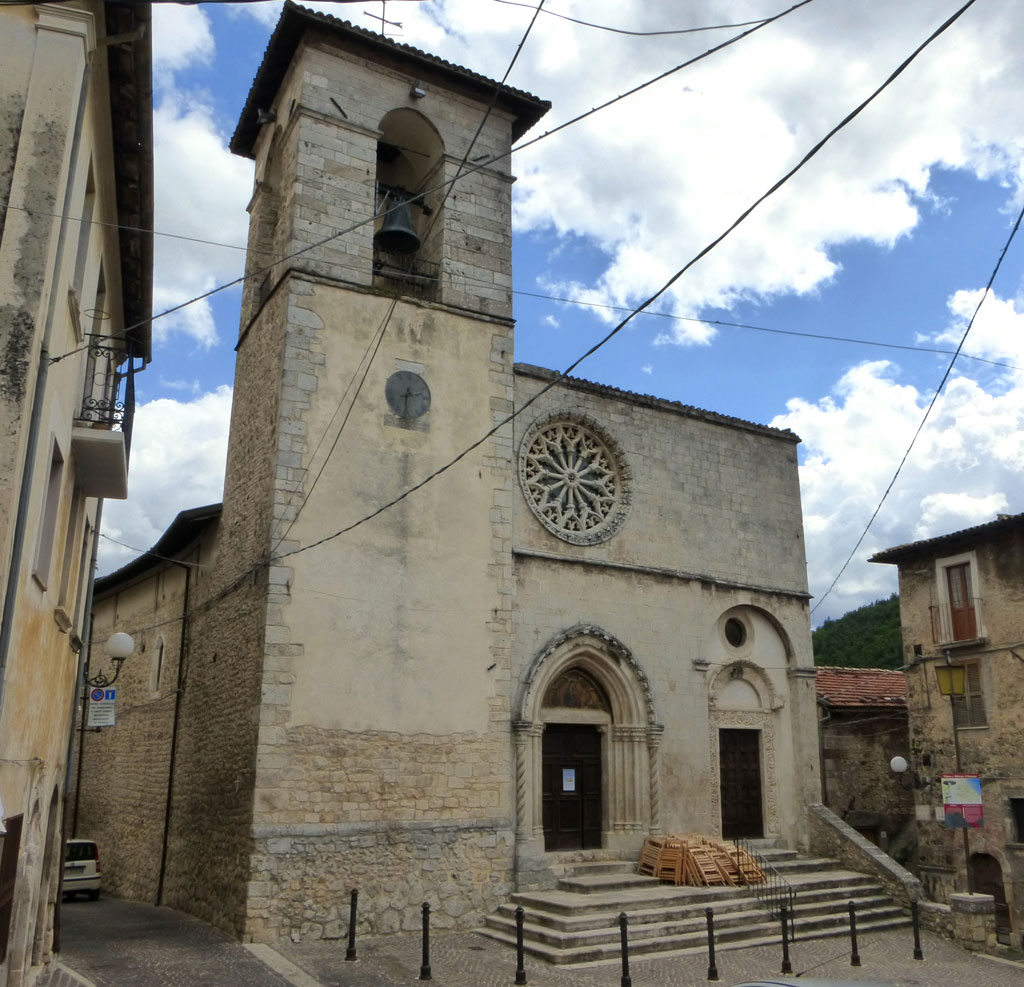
862 726
75 295
961 599
460 621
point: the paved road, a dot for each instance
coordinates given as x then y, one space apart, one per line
113 943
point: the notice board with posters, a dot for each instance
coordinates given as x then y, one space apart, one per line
961 800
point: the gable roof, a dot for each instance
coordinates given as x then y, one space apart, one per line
965 537
295 21
862 688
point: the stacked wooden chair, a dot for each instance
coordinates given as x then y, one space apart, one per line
697 861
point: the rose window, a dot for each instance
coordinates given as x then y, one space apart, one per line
573 480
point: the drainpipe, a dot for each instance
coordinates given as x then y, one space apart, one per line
182 654
25 492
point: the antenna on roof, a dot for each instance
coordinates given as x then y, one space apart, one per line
382 17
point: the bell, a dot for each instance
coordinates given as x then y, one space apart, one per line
397 234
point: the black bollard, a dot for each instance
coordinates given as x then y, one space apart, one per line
425 966
520 969
787 967
712 968
350 953
623 923
854 955
916 919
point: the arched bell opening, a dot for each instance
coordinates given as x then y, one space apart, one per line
408 230
586 748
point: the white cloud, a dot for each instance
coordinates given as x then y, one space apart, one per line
181 38
178 454
964 469
647 369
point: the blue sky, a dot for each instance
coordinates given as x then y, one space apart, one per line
887 236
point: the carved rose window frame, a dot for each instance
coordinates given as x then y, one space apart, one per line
574 478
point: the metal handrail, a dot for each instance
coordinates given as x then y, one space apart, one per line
774 891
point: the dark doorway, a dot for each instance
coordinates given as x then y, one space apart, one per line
739 755
988 879
572 787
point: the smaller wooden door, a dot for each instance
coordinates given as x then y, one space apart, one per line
739 758
987 877
571 787
961 603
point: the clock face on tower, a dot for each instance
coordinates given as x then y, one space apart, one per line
407 394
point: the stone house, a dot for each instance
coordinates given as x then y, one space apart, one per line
862 726
462 620
961 600
75 298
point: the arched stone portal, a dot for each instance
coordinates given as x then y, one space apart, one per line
585 683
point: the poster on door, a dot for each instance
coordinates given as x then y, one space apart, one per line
568 779
961 800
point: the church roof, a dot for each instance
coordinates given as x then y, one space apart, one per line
966 537
862 688
296 20
182 531
651 401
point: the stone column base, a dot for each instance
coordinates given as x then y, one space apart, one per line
974 920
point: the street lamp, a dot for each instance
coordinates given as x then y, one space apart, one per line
952 681
118 647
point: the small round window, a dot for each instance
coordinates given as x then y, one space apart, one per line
735 632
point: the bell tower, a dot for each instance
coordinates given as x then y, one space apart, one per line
375 349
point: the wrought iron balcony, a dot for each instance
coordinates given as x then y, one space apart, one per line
407 272
101 438
951 625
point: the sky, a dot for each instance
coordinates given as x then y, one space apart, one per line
833 310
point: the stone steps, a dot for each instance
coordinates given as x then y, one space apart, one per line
578 922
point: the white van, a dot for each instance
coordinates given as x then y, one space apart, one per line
82 869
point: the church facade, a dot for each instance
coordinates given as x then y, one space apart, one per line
465 620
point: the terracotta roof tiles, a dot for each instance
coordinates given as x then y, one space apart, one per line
862 687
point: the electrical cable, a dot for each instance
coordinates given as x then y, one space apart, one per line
164 558
852 115
635 34
466 279
474 167
928 410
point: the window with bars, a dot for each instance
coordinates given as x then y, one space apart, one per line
969 709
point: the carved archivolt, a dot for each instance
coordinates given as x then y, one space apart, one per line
574 478
602 656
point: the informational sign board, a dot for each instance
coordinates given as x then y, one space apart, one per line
101 707
961 799
568 779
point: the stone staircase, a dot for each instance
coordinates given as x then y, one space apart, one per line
578 922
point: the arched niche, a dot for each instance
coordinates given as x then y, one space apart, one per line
410 160
585 676
744 646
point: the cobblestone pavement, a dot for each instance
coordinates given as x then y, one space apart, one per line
114 943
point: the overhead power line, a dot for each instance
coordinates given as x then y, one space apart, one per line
467 279
852 115
927 412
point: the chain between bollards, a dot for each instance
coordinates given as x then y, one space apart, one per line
520 968
787 967
425 966
854 955
916 919
712 968
623 923
350 953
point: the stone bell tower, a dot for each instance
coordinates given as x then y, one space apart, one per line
371 668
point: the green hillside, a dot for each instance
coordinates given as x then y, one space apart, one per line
868 637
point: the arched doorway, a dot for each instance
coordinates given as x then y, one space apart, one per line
586 746
987 876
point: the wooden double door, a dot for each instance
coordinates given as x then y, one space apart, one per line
571 765
739 759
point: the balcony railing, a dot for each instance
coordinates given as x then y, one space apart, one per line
410 274
108 398
953 624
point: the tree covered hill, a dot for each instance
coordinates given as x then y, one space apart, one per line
868 637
